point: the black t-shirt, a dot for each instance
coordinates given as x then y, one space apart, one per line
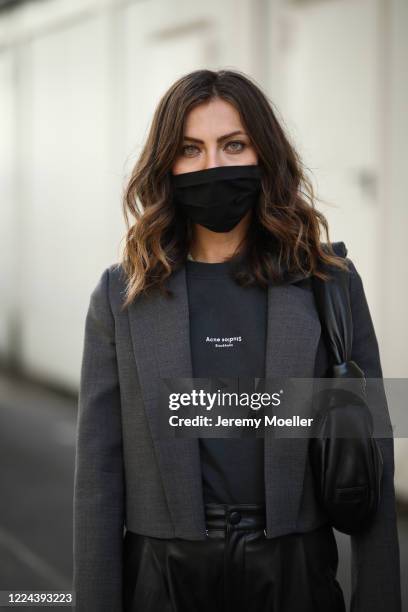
227 335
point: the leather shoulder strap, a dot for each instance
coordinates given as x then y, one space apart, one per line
332 299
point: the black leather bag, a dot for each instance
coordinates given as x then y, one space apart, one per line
346 460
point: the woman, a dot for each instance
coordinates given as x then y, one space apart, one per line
214 283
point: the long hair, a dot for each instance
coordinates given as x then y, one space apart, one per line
285 230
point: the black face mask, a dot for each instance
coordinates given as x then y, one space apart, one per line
217 198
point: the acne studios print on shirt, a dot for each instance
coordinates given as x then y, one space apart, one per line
224 342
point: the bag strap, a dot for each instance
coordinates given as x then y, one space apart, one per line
332 298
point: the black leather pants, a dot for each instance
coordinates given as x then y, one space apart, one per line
236 569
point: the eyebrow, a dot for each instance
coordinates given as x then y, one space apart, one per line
220 139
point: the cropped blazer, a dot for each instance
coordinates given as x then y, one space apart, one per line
127 477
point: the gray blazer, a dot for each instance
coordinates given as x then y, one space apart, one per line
127 477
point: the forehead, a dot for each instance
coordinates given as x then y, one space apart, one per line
210 117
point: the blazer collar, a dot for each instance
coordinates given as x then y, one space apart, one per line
160 338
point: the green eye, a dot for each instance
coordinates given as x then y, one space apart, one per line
237 142
235 146
186 147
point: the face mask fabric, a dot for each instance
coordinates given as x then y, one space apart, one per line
217 198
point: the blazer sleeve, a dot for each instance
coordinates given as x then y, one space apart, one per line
375 561
99 479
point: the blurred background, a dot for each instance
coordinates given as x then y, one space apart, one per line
79 82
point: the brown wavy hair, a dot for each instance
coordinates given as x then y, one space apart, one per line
284 234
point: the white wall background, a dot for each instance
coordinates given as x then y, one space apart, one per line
79 82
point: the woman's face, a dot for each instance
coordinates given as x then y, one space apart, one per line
214 136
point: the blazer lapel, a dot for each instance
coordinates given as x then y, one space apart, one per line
161 342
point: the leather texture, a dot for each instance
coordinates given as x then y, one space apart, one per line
346 460
236 569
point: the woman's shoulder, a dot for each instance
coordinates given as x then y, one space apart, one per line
116 273
117 282
339 248
109 289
